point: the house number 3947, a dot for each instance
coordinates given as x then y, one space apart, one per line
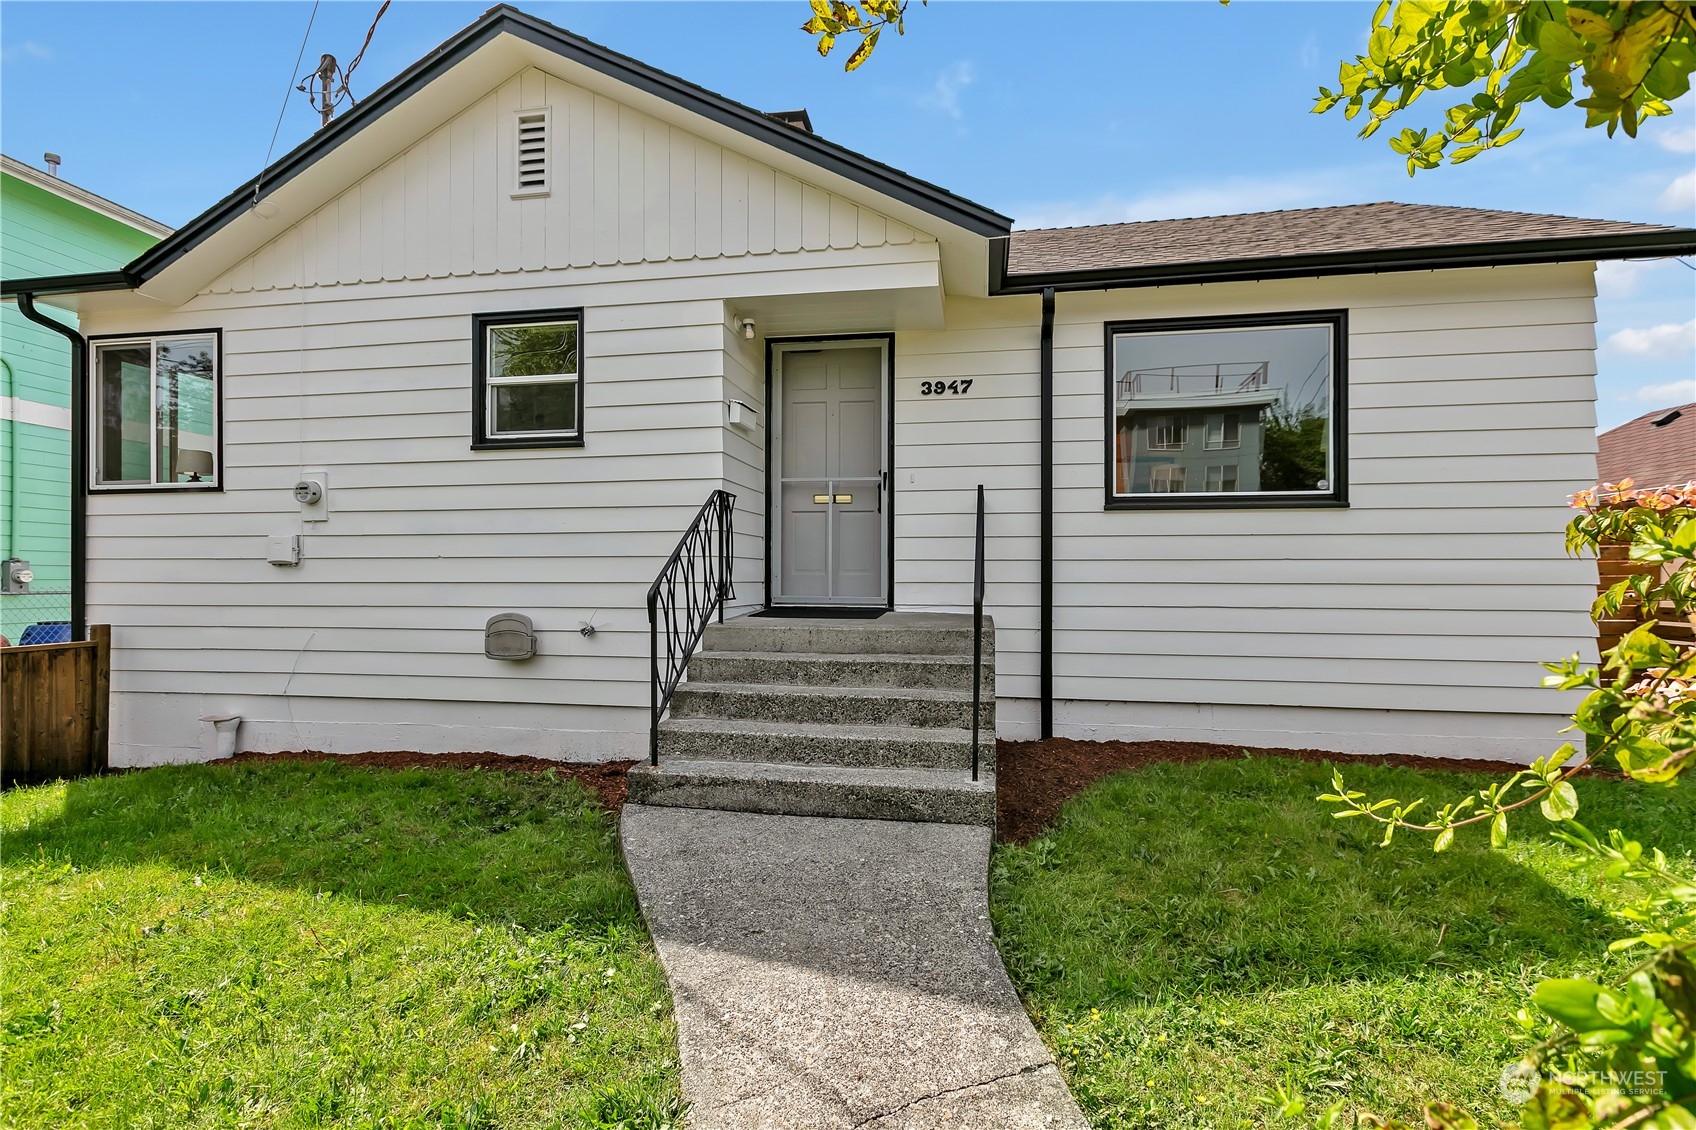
945 388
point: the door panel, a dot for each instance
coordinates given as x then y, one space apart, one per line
831 455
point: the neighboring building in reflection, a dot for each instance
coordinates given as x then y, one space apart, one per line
1192 428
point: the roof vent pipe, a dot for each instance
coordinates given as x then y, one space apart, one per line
52 160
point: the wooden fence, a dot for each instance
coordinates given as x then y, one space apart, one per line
1615 565
54 699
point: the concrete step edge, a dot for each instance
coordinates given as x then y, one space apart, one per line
800 690
731 727
878 777
917 659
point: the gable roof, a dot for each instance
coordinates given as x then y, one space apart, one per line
1656 449
73 194
506 20
1352 239
1306 242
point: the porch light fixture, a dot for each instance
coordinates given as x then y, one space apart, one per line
748 329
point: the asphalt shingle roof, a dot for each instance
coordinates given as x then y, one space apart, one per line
1650 455
1348 229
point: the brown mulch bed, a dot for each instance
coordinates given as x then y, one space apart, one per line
604 778
1033 779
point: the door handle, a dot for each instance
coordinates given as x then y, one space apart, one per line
844 499
821 500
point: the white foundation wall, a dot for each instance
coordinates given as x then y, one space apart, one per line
347 349
1412 621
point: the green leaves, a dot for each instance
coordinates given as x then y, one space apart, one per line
1561 803
1447 1116
868 18
1573 1002
1633 59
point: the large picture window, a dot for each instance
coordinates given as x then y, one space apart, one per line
155 412
1227 412
528 379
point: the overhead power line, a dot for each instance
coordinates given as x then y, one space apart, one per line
283 109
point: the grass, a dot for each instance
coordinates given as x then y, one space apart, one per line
293 945
1192 938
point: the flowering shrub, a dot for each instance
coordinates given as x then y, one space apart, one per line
1605 1055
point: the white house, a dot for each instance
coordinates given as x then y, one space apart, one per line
1289 479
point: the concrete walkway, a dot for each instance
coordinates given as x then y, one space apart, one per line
834 973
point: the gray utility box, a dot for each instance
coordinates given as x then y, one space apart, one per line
509 635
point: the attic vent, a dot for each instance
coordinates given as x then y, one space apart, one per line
531 130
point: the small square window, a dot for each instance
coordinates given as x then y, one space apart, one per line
155 412
528 380
1224 432
1167 478
1222 477
1167 433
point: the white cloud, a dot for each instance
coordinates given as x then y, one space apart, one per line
944 94
1214 198
1308 55
1620 278
1675 140
1680 194
1666 340
1674 392
28 49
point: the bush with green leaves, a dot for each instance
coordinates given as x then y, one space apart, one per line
1622 1054
1636 59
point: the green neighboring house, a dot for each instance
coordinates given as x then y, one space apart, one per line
47 227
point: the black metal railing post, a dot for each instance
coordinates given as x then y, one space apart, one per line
694 582
977 633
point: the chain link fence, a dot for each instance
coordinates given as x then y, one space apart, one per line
37 616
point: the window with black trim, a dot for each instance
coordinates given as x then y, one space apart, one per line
1246 411
155 412
527 386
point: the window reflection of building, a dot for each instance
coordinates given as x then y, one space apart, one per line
1187 428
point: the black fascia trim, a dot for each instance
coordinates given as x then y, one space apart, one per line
1337 498
86 418
927 197
503 19
1680 241
889 453
68 284
999 250
480 438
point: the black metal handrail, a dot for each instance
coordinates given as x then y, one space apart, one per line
977 633
694 583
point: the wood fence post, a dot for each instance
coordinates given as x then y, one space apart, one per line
99 732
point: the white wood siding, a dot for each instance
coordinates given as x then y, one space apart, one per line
745 465
1433 596
347 347
625 189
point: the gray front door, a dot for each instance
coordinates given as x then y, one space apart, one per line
830 520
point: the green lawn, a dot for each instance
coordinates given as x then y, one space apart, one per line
293 945
1189 938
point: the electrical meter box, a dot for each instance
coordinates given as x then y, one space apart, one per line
509 635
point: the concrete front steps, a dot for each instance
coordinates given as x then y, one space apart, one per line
866 719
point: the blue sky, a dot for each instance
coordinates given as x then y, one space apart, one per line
1054 113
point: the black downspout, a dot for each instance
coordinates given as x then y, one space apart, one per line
1046 549
79 460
